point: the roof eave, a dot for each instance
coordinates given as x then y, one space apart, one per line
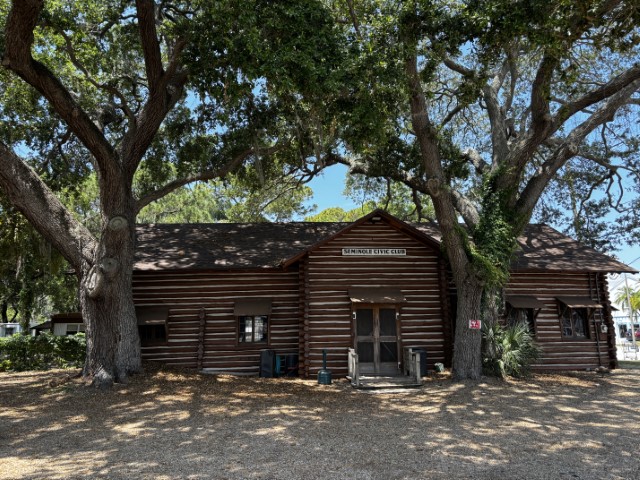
573 270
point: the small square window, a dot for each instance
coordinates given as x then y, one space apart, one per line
574 322
153 334
253 329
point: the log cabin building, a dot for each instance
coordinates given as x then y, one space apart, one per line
214 296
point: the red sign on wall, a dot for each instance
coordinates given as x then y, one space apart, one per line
475 324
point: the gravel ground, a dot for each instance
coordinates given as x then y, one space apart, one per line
171 424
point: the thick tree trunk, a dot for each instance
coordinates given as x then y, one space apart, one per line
467 356
113 345
492 305
111 356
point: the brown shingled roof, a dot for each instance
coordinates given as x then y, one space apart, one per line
544 248
227 246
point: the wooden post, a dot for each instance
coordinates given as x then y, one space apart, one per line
354 369
203 320
416 363
447 314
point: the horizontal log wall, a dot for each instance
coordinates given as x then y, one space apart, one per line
603 288
560 353
186 294
329 275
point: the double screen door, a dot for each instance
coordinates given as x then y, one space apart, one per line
376 335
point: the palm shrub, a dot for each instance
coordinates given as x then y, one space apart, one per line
508 351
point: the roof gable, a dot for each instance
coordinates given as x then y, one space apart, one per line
373 217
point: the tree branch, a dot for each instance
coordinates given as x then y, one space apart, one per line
181 182
611 87
475 159
539 104
452 113
19 38
500 76
107 88
570 147
163 97
466 208
354 18
150 45
546 125
497 123
361 168
229 167
29 194
513 72
608 165
456 67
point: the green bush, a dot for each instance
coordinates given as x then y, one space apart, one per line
508 351
71 350
23 352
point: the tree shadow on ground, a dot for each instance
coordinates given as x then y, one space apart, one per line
178 424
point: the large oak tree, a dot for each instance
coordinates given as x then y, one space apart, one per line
163 93
488 102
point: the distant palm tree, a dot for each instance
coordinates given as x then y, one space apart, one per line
629 299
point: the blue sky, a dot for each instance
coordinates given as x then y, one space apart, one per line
328 187
328 192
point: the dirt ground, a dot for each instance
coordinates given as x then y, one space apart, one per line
171 424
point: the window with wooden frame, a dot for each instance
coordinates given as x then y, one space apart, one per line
576 313
521 315
523 309
152 325
253 329
152 334
252 320
575 323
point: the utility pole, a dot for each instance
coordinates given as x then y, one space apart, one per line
633 333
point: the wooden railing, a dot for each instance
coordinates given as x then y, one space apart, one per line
411 366
354 368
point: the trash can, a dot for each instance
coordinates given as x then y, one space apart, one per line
324 375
